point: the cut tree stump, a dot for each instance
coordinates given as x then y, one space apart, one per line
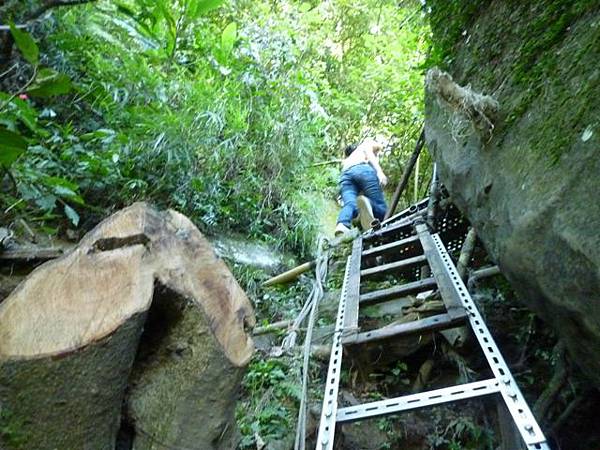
141 317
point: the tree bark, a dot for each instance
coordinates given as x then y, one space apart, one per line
142 306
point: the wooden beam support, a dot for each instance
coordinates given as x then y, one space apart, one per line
391 247
396 266
433 323
382 295
406 175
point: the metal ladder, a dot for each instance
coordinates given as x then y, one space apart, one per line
412 235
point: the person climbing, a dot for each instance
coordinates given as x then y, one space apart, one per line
361 174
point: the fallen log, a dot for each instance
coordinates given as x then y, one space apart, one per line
142 306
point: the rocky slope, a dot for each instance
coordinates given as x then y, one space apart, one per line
528 178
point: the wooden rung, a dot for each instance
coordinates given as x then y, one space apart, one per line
433 323
392 246
382 295
394 266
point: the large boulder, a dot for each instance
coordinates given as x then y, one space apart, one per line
527 173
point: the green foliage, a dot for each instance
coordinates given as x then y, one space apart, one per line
49 83
228 38
263 374
200 7
217 115
463 434
273 398
13 145
26 44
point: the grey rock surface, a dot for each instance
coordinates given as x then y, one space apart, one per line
537 212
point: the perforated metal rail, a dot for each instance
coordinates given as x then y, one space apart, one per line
406 229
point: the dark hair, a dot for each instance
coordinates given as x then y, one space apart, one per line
349 149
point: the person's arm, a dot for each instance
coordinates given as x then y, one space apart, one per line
375 162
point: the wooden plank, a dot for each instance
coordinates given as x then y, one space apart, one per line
392 246
433 323
353 289
372 298
450 295
394 266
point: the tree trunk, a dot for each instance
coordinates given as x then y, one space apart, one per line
143 302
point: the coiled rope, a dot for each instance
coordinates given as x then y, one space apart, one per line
309 309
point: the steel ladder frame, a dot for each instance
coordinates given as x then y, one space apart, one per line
459 304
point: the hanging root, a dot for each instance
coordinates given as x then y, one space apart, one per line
560 378
478 109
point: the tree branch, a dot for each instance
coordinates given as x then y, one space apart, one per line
51 4
48 5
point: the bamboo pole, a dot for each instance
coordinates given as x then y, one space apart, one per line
406 175
291 274
272 327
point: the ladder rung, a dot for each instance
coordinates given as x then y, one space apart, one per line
394 266
374 251
437 322
435 397
382 295
406 222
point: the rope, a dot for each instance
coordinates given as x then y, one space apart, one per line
310 307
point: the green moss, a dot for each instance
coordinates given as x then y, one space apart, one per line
536 62
449 19
11 430
523 52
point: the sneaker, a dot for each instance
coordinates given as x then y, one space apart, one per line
341 230
365 213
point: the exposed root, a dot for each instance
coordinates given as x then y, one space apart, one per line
476 109
555 386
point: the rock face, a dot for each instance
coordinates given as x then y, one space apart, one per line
530 184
